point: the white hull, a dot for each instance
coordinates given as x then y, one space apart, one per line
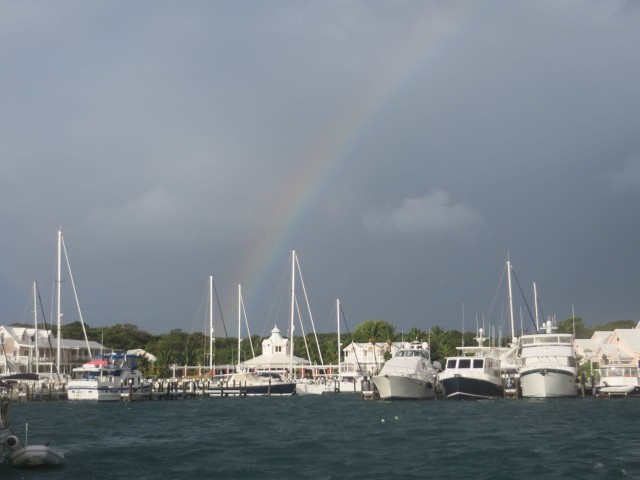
548 365
543 383
103 391
403 387
622 390
36 456
308 388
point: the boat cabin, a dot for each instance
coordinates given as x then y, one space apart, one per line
469 363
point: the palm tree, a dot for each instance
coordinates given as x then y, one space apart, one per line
163 360
373 330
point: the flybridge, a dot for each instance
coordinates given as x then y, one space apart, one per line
545 338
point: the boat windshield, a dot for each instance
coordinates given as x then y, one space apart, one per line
412 353
465 363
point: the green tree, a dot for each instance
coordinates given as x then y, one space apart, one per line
164 360
374 331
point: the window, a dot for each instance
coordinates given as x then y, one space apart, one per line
478 363
464 363
451 363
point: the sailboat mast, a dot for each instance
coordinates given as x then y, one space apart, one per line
239 326
338 321
513 328
35 323
293 299
58 295
211 322
535 301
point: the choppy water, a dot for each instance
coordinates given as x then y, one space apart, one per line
335 437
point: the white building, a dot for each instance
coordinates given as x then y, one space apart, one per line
276 355
368 358
27 350
604 346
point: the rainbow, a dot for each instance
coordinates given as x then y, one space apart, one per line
428 34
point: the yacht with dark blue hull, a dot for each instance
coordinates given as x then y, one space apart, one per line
475 373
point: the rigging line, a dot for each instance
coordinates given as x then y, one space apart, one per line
44 320
246 322
304 290
220 309
355 352
525 300
540 307
495 297
75 294
275 299
304 337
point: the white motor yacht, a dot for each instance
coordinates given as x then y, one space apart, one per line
548 364
409 374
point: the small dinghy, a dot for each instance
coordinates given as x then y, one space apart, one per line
31 455
12 451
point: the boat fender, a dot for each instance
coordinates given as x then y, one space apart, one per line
13 443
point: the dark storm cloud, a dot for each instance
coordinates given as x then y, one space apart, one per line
161 136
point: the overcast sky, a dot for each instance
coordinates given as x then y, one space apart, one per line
404 149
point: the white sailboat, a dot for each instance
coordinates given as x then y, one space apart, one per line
304 386
62 249
246 381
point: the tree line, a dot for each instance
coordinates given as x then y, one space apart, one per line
178 347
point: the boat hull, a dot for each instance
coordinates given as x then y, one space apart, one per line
94 391
303 388
36 456
275 389
547 383
404 388
461 387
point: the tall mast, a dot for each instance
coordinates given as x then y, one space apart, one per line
59 313
513 328
239 316
535 301
35 322
211 340
293 300
339 345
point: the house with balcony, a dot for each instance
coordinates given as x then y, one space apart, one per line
367 359
605 346
27 350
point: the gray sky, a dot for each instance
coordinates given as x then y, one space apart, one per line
403 148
